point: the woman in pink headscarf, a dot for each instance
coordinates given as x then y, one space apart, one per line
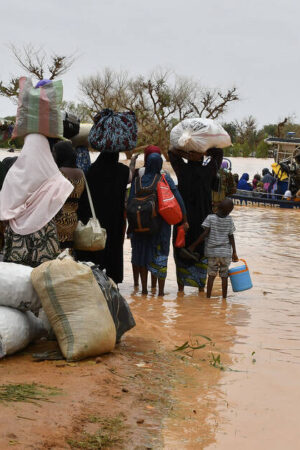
33 192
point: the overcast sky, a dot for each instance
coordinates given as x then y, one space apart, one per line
253 44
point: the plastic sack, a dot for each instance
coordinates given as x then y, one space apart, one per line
49 333
90 237
168 206
17 330
180 237
76 308
16 288
114 131
39 109
117 304
81 139
199 135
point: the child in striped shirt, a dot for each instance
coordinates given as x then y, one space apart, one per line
219 244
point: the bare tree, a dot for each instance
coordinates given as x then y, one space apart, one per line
213 103
78 109
37 63
160 101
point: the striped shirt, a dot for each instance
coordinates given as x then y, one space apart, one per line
217 242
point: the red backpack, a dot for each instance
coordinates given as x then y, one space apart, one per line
168 206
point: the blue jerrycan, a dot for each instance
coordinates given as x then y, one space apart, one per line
240 277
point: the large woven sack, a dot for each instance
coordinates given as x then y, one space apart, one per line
113 131
17 330
16 290
76 308
199 135
39 109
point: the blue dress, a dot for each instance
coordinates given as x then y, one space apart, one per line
153 251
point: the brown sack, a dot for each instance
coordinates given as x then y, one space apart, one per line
76 308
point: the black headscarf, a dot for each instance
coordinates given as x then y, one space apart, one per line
107 180
194 183
64 154
5 166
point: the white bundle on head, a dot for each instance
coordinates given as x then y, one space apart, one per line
199 135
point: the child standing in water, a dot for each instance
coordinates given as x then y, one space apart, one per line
219 241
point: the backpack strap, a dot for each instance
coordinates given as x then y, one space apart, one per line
152 187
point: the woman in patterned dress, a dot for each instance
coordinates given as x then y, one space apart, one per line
194 183
66 220
33 192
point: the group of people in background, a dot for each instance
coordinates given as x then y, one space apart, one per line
43 196
271 184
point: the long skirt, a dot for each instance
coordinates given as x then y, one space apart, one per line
159 264
152 251
31 249
189 274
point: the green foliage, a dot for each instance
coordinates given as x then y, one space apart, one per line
262 150
109 434
28 393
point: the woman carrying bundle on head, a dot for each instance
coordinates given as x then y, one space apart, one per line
195 185
107 180
66 220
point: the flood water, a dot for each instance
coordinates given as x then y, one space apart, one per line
248 400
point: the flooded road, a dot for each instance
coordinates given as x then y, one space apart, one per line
242 389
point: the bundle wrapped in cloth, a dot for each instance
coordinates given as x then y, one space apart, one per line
199 135
114 131
39 109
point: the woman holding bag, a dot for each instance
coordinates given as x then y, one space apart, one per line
150 252
107 180
66 220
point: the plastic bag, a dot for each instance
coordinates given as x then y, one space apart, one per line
76 308
90 237
39 109
17 330
199 135
168 206
16 288
180 237
114 131
117 304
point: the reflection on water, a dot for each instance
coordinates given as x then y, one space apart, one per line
253 403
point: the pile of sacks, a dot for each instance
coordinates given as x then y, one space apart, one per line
77 301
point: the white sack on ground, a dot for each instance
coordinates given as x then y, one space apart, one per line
16 288
199 135
76 308
46 324
17 330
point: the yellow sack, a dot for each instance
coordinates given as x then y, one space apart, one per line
279 172
76 308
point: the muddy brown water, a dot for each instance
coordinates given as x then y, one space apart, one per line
246 400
